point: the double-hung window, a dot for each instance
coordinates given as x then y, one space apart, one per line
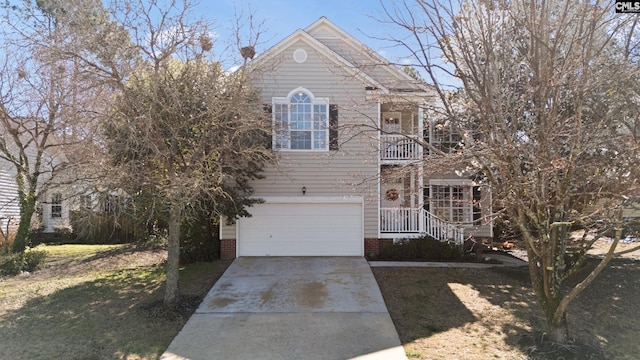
301 122
56 205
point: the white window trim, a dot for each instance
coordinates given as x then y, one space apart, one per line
452 182
287 100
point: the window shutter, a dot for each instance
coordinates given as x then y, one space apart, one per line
268 110
477 210
333 127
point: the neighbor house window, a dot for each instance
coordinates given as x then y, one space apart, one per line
301 122
452 203
85 202
56 205
111 204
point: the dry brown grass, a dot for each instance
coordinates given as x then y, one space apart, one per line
102 302
97 302
450 313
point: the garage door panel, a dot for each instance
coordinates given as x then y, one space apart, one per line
294 229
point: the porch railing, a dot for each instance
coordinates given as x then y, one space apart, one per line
442 230
399 147
399 220
416 220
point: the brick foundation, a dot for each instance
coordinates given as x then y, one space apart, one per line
373 246
227 248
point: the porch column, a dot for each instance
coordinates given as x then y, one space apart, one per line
420 170
379 146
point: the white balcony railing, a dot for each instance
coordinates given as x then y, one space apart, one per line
399 220
415 220
399 147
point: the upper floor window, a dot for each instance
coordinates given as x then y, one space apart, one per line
56 205
442 137
301 122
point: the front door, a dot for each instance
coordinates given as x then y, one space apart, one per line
392 122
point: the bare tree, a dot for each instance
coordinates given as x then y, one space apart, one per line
542 106
44 98
196 135
175 124
183 129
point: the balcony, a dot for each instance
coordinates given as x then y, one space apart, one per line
399 148
404 221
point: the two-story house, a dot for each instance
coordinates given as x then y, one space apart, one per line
350 176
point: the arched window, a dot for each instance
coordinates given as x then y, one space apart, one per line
301 121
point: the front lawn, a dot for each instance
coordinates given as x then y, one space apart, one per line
458 313
104 302
97 302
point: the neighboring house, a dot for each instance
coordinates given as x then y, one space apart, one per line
52 211
349 176
53 203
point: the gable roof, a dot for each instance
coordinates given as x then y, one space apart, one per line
352 55
363 57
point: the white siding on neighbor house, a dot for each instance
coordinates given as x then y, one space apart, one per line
9 205
350 171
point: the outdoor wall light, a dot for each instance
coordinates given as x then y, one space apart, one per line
304 190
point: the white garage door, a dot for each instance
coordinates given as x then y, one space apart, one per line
302 229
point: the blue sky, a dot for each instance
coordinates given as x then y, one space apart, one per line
283 17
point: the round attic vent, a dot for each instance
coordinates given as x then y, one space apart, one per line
300 56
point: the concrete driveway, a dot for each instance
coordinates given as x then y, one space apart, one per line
291 308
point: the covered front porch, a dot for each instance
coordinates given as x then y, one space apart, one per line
412 206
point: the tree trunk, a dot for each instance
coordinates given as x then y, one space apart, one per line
27 208
172 289
559 332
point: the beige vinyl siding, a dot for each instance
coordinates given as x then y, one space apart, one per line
350 171
371 66
632 211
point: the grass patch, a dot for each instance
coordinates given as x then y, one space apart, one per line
78 251
99 302
492 313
